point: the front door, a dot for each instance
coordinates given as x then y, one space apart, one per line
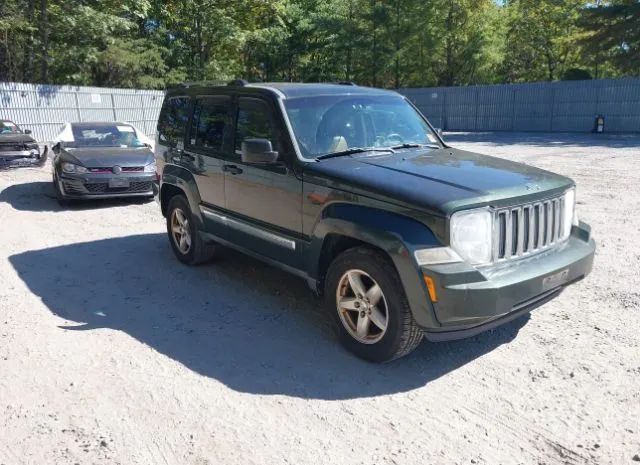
265 199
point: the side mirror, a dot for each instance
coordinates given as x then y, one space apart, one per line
259 151
56 148
27 131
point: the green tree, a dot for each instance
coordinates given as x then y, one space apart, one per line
612 35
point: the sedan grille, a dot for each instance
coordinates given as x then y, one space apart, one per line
528 229
137 187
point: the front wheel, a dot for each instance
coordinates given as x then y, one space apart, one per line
364 294
186 242
62 200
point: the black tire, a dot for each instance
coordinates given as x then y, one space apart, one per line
402 334
199 251
62 200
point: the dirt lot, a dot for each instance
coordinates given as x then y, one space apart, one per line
113 353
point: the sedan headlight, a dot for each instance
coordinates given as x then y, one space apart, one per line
472 235
73 168
150 168
570 217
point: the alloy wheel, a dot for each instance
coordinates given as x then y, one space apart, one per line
180 231
362 307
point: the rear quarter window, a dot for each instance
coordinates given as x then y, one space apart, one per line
173 120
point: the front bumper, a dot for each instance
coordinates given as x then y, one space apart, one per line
22 158
97 185
472 300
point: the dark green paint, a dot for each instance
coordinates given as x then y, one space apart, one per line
397 202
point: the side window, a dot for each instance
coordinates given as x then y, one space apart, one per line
255 122
173 120
210 120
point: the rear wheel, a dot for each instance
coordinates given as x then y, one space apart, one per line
365 296
185 239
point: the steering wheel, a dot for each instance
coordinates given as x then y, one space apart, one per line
395 136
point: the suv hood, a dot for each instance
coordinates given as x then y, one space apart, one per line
102 157
440 181
16 139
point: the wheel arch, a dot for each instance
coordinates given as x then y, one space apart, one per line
344 226
179 181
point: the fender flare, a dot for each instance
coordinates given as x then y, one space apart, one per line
395 234
176 176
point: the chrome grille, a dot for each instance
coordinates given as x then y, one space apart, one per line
527 229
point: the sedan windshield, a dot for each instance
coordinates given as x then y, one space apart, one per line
8 127
338 123
103 135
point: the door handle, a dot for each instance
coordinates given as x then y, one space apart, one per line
233 169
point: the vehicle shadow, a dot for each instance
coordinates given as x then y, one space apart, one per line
252 327
39 196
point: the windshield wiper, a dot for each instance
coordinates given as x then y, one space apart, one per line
355 150
415 146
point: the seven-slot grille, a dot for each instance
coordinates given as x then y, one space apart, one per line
528 228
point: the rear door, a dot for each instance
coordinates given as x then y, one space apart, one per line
207 140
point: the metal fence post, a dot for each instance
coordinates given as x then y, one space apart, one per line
113 107
75 94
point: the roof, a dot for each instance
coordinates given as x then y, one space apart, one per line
293 90
99 123
288 89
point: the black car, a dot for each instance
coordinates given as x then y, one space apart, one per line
18 148
102 160
353 190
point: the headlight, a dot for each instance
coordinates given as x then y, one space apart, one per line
569 212
73 168
150 168
472 235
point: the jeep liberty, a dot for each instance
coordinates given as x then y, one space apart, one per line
352 189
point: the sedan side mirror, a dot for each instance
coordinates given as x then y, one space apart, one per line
27 131
259 151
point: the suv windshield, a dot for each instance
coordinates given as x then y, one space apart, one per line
8 127
336 123
103 135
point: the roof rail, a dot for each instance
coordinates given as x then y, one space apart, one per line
238 82
196 84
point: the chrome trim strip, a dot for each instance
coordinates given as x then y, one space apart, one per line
246 228
520 232
540 242
508 244
531 229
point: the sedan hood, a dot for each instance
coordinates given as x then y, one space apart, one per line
441 180
105 157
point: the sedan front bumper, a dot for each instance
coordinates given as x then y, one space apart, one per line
101 185
471 301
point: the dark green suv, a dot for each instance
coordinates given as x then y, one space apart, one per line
352 189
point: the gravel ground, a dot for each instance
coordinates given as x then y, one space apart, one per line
113 353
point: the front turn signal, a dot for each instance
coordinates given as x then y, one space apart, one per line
431 287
